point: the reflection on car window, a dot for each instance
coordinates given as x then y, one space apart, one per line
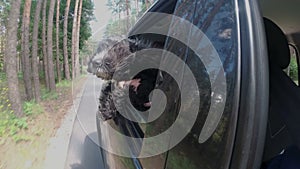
217 20
169 87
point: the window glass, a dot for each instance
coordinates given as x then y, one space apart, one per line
169 86
217 20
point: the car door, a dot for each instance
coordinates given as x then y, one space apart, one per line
214 59
235 137
228 128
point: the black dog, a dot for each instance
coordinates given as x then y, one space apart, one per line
102 48
140 86
106 108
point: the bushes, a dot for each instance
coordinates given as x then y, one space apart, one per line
10 125
293 69
32 108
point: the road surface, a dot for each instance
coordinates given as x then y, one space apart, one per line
84 151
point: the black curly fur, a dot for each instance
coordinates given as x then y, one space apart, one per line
106 108
102 48
111 59
120 57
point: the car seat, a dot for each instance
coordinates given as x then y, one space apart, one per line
284 107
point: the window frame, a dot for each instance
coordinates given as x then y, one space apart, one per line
254 98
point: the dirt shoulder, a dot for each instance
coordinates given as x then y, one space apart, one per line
30 151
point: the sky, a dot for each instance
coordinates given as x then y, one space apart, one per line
102 15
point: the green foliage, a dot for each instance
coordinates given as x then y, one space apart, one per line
46 95
64 83
20 75
19 138
85 29
4 9
294 69
1 61
10 125
32 108
2 77
4 101
115 28
143 9
179 162
119 27
117 6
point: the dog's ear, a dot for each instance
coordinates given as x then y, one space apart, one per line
123 52
122 68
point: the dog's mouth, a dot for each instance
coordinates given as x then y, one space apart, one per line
148 104
103 75
134 84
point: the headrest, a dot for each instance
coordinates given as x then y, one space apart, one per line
278 48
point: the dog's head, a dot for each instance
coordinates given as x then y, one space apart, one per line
102 48
106 67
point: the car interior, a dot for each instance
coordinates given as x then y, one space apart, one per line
282 29
284 96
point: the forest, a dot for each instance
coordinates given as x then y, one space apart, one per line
41 42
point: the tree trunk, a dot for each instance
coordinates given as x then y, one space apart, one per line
77 65
119 12
127 8
136 8
65 42
74 35
44 39
57 42
35 58
127 15
81 68
2 48
11 59
147 4
25 51
50 46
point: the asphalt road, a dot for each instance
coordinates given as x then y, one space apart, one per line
84 151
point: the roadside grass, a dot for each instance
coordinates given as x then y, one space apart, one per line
47 95
64 83
26 139
11 127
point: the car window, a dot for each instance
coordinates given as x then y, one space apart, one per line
218 21
170 87
293 69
